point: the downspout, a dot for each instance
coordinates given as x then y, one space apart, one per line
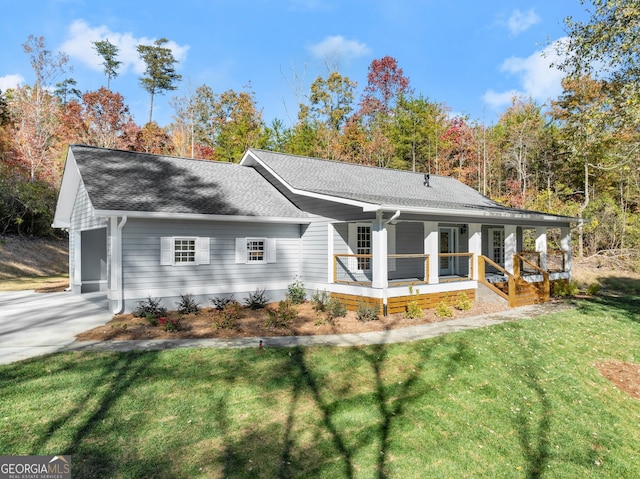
385 294
120 306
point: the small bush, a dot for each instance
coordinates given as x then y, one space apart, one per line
219 303
296 292
149 307
169 324
256 300
320 300
563 288
328 308
413 311
283 316
367 312
227 316
463 303
593 289
443 310
187 304
152 319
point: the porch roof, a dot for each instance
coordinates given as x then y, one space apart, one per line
375 188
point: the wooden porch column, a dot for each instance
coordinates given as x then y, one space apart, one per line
475 246
379 253
510 246
565 244
432 248
541 245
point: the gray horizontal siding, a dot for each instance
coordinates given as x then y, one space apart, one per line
141 256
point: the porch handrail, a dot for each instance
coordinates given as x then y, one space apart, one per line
546 287
460 255
336 256
562 253
511 279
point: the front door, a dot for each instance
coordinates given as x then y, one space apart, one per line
448 244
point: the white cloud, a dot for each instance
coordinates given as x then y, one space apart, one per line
339 47
10 81
538 79
519 22
79 45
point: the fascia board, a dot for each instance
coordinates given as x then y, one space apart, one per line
68 191
201 217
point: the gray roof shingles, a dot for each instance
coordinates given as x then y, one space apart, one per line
119 180
378 186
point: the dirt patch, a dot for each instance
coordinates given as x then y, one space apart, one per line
252 324
27 257
625 376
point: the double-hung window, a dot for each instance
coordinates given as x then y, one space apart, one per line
184 250
255 250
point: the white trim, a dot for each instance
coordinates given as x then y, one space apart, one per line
201 217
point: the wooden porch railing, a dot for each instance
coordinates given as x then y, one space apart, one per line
457 276
516 285
356 268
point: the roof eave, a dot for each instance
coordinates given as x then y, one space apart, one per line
202 217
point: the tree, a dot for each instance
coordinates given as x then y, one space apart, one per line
109 52
35 111
160 72
66 89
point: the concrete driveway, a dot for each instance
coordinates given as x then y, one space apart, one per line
32 324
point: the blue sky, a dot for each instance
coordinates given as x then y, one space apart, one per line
470 55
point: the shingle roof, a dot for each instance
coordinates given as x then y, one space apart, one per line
119 180
378 186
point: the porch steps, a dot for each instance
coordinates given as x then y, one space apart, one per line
526 293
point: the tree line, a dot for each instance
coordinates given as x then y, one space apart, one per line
576 155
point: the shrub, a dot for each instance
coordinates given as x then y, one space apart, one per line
320 300
296 292
463 303
148 308
593 289
169 324
256 300
152 319
219 303
367 311
283 316
188 304
228 315
413 311
331 307
443 310
563 288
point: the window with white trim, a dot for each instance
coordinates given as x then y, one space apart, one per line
184 250
255 250
363 246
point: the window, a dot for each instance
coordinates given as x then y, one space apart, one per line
184 250
496 245
363 246
255 250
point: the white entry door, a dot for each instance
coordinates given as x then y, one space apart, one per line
448 244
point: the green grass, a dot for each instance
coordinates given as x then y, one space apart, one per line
519 400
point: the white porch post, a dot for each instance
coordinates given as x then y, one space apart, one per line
475 245
565 244
541 245
510 246
432 248
379 253
330 261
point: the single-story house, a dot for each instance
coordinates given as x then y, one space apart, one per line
143 225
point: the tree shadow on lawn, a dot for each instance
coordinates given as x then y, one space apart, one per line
620 294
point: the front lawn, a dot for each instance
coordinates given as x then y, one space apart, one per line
523 399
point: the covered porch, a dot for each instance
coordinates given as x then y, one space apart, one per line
393 261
